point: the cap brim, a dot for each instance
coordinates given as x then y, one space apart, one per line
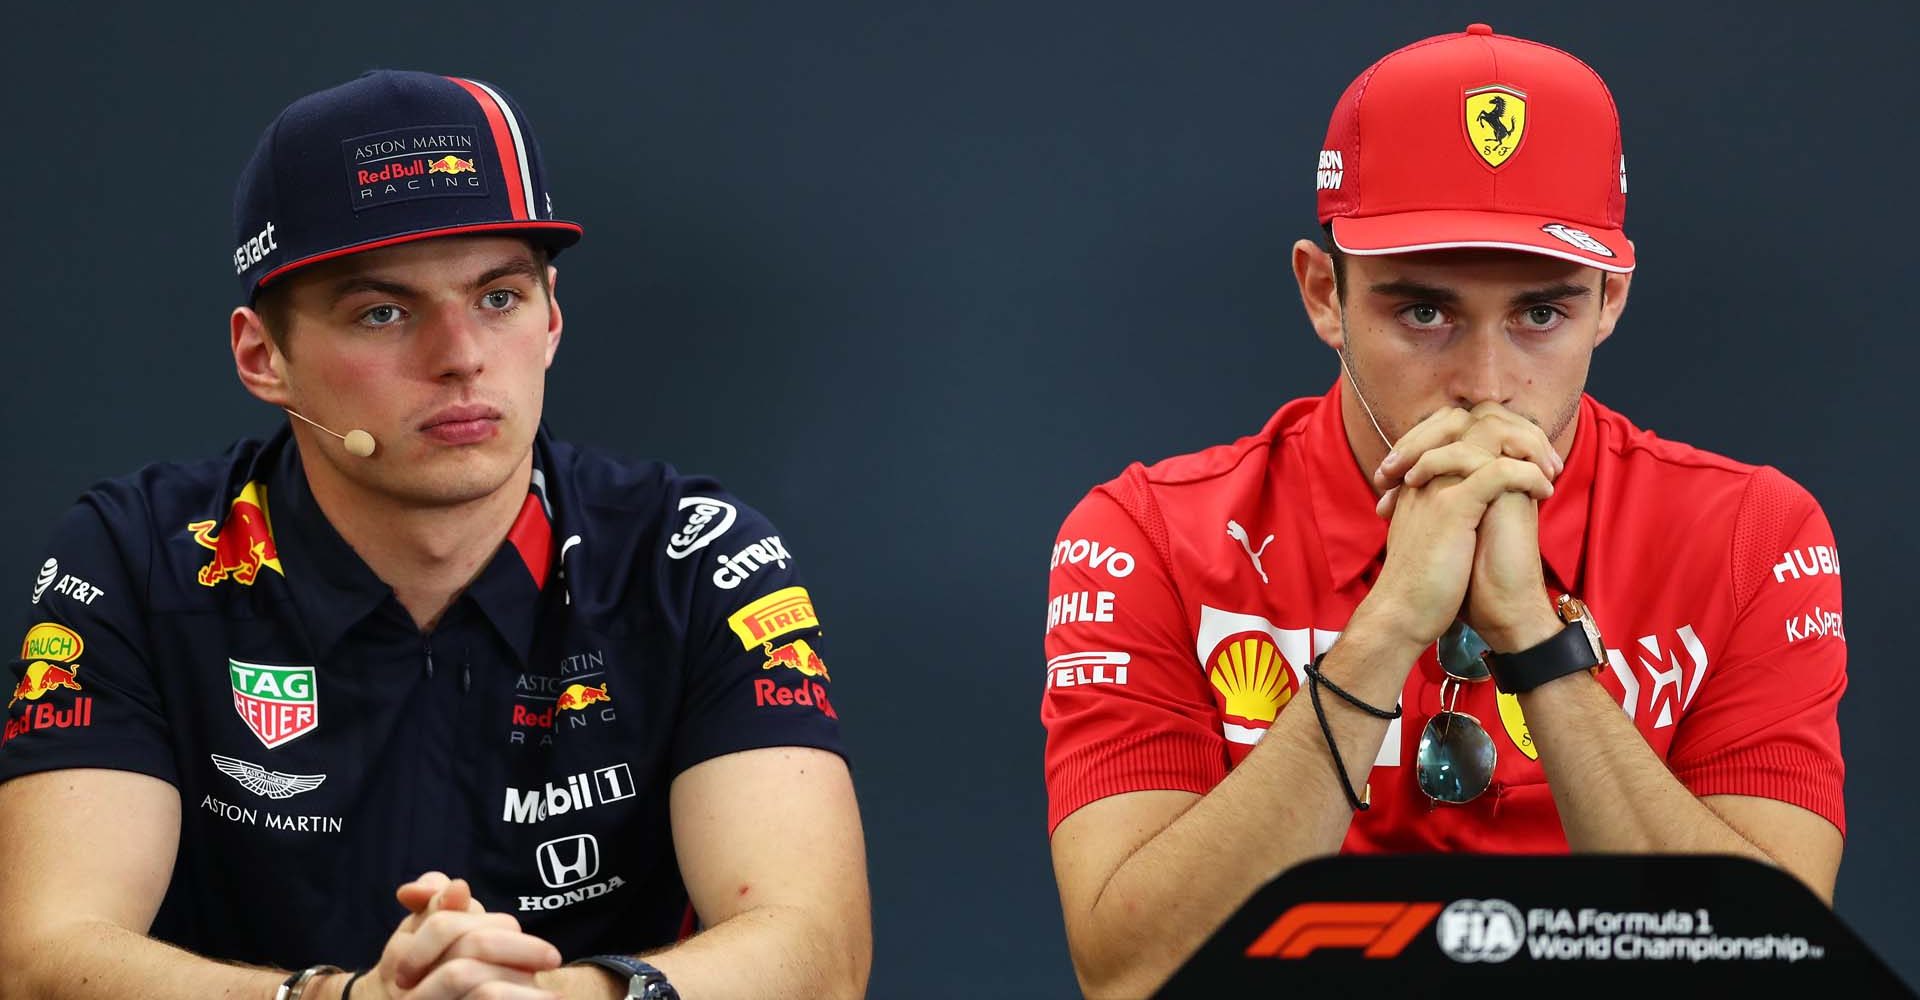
552 234
1419 232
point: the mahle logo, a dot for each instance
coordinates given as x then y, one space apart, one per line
278 703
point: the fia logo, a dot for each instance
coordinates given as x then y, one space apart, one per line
1480 930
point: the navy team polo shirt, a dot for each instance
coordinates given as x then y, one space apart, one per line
206 625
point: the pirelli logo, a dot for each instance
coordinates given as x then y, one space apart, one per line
776 614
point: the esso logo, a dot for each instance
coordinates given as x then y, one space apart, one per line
710 519
1480 930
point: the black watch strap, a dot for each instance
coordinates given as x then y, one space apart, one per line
644 982
1567 652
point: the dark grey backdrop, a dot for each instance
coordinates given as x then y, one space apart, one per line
913 278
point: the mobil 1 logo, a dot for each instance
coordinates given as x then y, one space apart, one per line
579 791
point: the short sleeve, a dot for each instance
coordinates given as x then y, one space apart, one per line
1765 722
1126 706
756 669
80 690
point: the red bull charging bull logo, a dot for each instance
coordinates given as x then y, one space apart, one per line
450 165
578 696
796 655
48 646
244 542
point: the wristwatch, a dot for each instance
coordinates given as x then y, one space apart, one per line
1576 647
644 982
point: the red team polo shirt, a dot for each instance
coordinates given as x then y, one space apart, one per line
1187 597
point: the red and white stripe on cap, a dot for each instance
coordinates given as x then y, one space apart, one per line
510 146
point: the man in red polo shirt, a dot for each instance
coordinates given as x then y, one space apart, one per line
1273 649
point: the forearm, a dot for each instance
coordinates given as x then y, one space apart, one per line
1282 805
1614 794
96 959
768 951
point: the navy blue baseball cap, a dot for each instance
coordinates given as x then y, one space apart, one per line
392 157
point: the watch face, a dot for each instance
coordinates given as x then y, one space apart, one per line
1572 609
1593 638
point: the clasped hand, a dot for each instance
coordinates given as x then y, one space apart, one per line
1462 492
449 946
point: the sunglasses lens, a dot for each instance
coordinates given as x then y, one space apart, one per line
1462 651
1455 762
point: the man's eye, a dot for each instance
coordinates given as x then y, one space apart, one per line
500 298
1543 317
381 316
1423 316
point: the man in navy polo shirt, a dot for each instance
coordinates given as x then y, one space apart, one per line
259 695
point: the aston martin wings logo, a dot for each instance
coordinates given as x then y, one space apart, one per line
260 781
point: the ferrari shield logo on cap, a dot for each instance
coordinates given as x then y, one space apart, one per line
1496 122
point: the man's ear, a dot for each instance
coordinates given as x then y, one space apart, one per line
1613 289
1313 272
257 359
554 319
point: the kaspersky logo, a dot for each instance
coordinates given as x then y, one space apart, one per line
51 649
244 543
278 703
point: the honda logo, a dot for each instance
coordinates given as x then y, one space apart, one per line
568 860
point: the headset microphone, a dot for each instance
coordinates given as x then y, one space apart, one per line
357 442
1343 367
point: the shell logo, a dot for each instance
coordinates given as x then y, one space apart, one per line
1252 677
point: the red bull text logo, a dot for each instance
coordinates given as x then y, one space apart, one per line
799 656
578 696
244 543
48 716
448 164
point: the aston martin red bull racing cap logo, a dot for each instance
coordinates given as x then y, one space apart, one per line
243 543
423 161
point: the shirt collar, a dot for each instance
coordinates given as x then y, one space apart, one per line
1354 539
334 588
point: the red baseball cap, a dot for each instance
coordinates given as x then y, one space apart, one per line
1477 140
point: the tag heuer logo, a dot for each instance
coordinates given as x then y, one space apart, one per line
260 781
278 703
